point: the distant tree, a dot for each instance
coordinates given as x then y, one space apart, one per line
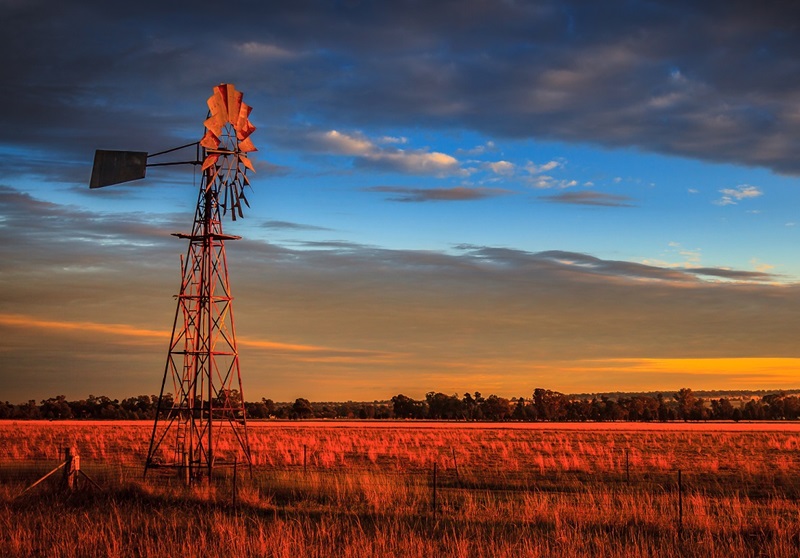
550 405
686 400
471 405
721 409
753 410
6 410
301 409
612 410
519 412
663 411
791 407
441 406
699 410
140 407
405 407
269 405
577 410
29 410
496 408
56 408
256 410
229 399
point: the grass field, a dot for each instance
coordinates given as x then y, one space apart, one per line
366 489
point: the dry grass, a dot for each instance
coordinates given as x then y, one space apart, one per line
367 491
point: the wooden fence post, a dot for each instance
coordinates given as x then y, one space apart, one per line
72 466
187 473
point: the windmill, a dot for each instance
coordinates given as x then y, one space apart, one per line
201 422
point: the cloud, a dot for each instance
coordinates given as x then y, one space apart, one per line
733 274
368 153
502 168
126 332
344 144
458 193
266 51
545 182
689 80
289 226
589 198
369 313
731 196
533 168
489 146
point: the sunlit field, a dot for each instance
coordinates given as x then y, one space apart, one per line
368 489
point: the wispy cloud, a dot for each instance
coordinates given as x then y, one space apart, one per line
533 168
368 152
488 147
362 310
731 196
504 168
266 51
734 274
458 193
289 226
589 198
125 332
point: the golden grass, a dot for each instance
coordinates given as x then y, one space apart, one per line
367 491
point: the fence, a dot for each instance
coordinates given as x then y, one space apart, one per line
452 487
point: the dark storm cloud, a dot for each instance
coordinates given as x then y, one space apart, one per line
458 193
711 80
589 198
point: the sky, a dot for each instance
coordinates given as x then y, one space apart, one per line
449 196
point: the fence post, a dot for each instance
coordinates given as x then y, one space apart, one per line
72 465
455 465
187 475
305 458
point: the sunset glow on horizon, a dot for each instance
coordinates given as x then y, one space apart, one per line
483 197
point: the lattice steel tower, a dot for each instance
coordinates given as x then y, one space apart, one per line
201 421
202 386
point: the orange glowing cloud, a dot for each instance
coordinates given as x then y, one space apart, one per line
305 353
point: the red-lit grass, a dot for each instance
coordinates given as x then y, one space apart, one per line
367 491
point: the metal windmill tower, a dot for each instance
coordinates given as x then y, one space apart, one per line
201 421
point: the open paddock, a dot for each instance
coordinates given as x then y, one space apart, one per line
330 488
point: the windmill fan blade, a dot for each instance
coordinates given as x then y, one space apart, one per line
244 199
224 205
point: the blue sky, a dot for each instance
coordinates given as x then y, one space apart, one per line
449 196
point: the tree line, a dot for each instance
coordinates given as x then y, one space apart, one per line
547 405
542 405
